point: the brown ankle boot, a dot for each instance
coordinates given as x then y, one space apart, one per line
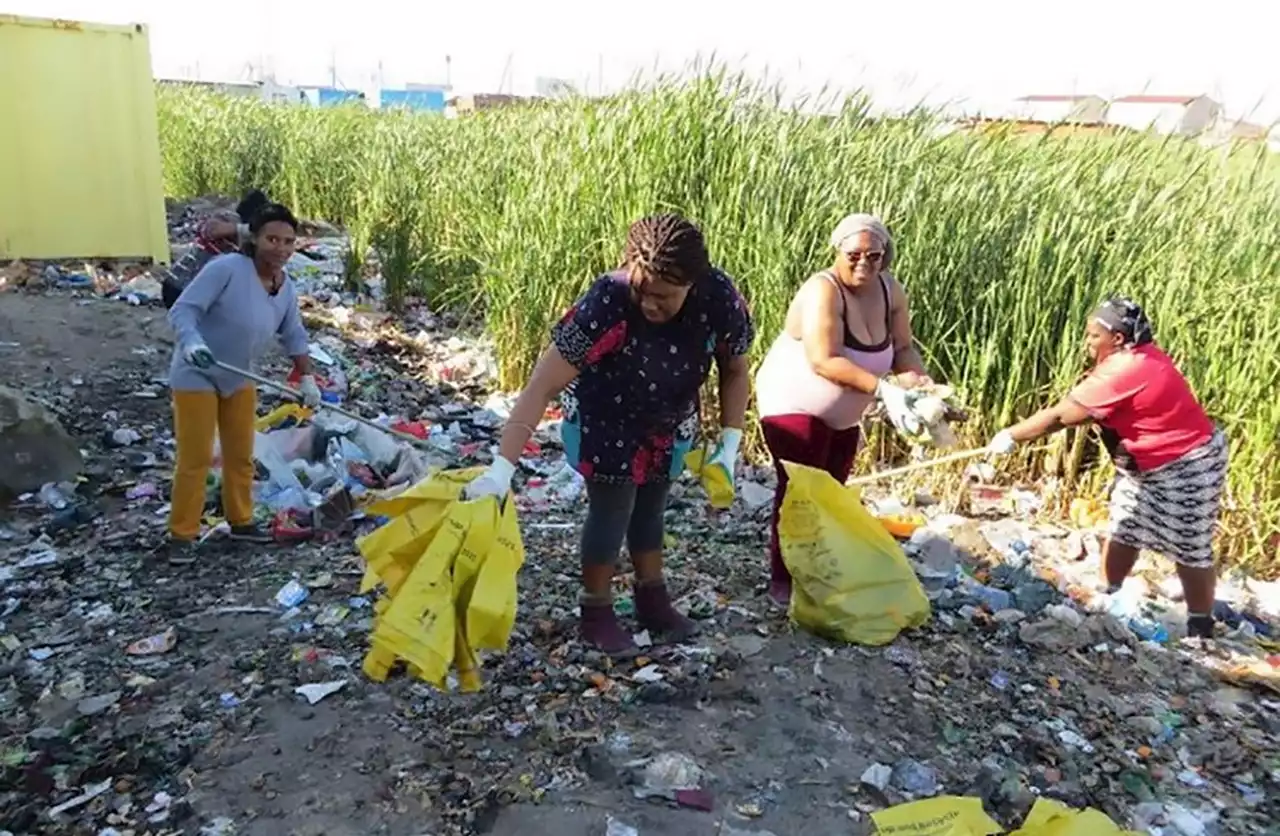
658 616
600 628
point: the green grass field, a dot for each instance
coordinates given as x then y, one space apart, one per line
1005 243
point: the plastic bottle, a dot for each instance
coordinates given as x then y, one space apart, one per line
1128 609
53 496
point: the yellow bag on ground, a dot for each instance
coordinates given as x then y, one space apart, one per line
1052 818
951 815
280 414
715 479
851 579
947 815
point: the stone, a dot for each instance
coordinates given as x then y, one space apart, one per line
34 448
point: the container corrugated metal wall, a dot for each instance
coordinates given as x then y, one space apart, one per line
79 150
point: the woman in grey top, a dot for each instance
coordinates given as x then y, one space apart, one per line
233 310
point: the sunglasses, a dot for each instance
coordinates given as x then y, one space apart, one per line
855 257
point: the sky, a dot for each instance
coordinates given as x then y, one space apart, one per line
974 56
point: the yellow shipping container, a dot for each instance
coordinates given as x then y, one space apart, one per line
79 150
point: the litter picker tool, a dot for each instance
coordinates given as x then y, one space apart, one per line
961 456
294 393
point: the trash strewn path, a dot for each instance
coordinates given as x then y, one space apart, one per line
1011 692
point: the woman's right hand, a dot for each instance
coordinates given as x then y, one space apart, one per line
198 355
495 482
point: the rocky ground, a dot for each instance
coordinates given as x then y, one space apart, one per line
1012 691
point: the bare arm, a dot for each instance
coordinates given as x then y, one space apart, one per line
1065 413
735 391
905 356
822 331
549 378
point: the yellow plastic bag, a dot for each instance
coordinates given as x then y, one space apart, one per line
449 567
491 611
947 815
280 414
716 480
851 579
418 625
1052 818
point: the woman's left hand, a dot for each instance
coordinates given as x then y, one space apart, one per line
310 391
726 452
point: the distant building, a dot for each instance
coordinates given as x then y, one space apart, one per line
1179 115
1032 127
330 96
1234 132
554 88
420 98
246 89
1068 108
477 102
267 91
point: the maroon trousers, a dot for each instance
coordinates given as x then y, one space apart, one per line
805 440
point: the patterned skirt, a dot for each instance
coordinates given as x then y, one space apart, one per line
1173 509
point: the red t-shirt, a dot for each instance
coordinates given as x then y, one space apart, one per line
1140 395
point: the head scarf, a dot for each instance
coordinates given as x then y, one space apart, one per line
856 224
1125 317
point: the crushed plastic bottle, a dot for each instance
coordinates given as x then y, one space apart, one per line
613 827
55 496
1128 609
995 599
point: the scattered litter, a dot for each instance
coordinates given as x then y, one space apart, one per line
315 692
152 645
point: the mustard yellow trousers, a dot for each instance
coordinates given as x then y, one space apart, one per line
197 415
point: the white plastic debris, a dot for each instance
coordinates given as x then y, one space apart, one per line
316 691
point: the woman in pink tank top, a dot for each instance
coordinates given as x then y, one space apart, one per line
847 329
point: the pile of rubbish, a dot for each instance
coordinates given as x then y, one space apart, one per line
260 690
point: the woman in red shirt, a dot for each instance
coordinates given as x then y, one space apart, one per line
1171 461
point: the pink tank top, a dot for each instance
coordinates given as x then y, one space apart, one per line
787 385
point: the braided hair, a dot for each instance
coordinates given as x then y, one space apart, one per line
667 246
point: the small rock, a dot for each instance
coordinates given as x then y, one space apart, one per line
91 706
877 776
916 778
34 448
747 645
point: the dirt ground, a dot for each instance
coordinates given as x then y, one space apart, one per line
783 723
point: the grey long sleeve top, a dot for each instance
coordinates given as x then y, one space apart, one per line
227 308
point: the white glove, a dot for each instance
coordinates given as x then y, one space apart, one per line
894 399
1003 443
495 482
198 355
309 390
726 453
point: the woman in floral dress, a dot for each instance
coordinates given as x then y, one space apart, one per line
628 360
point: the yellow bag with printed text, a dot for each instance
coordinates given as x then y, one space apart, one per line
951 815
1052 818
850 579
449 567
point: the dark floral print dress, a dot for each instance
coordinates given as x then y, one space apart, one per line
632 413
